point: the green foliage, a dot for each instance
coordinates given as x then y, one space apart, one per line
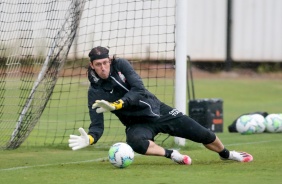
269 67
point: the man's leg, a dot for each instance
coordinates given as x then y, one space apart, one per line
140 138
156 150
215 146
186 127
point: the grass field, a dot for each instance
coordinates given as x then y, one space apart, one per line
58 164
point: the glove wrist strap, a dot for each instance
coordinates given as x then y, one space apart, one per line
118 104
91 139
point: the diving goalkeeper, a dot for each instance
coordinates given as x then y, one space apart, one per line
115 87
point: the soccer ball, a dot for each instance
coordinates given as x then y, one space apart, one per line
274 123
246 125
121 155
260 121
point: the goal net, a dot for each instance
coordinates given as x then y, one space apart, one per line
44 50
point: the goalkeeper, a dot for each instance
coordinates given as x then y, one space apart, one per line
115 87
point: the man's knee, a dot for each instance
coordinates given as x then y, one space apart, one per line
138 139
140 146
208 138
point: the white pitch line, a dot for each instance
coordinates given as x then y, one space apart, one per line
258 142
46 165
101 159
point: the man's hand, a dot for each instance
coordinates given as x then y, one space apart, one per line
105 106
77 142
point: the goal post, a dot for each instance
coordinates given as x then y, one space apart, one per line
44 57
181 61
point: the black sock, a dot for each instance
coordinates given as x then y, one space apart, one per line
168 153
224 153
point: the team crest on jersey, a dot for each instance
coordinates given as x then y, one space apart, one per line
121 76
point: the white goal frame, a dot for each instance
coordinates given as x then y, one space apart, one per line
181 64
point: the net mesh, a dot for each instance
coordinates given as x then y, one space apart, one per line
44 57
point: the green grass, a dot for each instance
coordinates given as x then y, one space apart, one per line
58 164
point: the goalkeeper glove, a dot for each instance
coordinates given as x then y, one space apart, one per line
105 106
77 142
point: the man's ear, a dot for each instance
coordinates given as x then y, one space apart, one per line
91 65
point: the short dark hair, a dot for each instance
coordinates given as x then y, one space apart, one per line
98 53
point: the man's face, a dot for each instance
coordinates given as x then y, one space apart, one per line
101 67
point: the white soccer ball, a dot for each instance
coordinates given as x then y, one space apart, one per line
246 125
260 121
121 155
274 123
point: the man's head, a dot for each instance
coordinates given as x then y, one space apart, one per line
100 61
